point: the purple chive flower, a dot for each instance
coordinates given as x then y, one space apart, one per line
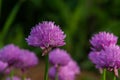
46 35
59 57
16 78
73 66
52 72
26 59
8 70
67 72
109 58
3 66
98 41
15 57
93 56
9 54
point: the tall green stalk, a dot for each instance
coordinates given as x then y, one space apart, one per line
0 18
0 7
1 76
104 75
11 17
56 76
114 78
46 67
24 77
11 75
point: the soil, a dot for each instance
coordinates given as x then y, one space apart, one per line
37 73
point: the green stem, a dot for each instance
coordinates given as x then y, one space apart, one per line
104 75
46 68
11 17
11 75
0 7
1 76
24 77
56 76
114 78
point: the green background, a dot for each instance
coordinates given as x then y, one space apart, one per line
79 19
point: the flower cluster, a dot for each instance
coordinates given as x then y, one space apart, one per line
102 39
3 66
63 65
59 57
105 52
26 59
46 35
12 57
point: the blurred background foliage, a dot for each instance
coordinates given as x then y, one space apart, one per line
79 19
